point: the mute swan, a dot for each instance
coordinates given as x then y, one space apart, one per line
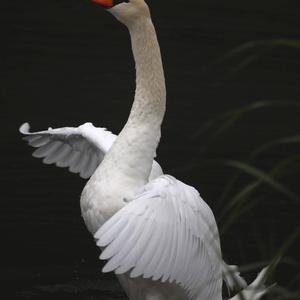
158 235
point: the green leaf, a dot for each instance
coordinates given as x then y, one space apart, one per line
226 120
292 43
285 140
263 177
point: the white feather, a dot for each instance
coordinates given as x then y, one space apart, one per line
81 149
165 208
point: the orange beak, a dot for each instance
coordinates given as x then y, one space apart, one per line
105 3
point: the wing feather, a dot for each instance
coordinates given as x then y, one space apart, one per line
44 150
73 160
128 260
151 249
109 235
169 259
138 247
188 257
151 269
79 163
113 248
90 166
161 265
81 149
37 141
54 155
141 257
84 164
130 235
178 263
167 236
64 156
124 262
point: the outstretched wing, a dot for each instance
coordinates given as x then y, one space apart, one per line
81 149
168 233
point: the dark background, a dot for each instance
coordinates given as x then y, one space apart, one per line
67 62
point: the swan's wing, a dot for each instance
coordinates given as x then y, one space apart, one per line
81 149
166 232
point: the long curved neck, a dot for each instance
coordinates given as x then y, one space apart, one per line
131 155
150 95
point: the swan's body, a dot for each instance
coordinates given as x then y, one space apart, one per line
158 235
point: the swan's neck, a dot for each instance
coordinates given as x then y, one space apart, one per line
130 159
150 94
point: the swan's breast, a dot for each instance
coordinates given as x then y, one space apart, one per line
103 196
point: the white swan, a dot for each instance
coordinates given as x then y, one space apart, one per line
158 235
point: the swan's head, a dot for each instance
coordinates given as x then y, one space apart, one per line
127 12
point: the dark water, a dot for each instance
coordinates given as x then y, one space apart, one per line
64 63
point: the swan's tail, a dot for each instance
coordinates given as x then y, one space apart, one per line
256 289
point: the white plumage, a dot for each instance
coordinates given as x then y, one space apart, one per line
166 232
158 235
81 149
